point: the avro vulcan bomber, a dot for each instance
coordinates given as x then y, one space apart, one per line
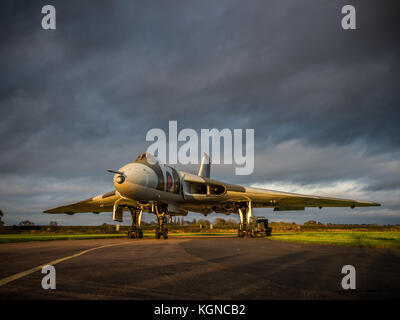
146 185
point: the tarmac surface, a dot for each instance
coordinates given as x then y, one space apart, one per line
196 268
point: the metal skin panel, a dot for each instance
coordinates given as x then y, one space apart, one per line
141 174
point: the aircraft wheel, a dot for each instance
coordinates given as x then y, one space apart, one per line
157 234
140 234
165 234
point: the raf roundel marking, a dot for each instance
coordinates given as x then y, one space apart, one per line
170 182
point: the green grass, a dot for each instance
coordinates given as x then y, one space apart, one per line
362 239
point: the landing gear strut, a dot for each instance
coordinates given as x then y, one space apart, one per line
245 229
135 232
161 219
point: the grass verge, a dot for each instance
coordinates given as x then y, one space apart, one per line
361 239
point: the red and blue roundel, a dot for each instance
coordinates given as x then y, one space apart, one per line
170 181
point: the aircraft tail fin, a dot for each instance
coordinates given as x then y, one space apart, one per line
205 166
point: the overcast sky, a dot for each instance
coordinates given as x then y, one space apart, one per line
324 102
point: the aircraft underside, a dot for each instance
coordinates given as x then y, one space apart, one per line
163 216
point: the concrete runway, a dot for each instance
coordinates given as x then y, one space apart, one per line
198 268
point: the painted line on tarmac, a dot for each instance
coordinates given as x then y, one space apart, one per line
52 263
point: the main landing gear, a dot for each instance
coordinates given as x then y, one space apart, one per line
162 218
135 232
245 230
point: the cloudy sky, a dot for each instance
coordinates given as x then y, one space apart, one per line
324 102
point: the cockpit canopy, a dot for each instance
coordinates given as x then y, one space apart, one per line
147 158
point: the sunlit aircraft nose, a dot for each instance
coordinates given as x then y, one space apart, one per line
135 173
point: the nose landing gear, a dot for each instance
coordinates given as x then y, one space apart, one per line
135 232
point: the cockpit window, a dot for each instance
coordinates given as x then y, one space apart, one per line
147 157
141 156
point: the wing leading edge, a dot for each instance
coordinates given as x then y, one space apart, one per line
97 204
282 201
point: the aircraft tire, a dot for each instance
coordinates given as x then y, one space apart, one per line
165 234
157 234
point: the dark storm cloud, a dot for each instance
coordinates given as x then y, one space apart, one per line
80 99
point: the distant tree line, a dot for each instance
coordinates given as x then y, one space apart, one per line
179 224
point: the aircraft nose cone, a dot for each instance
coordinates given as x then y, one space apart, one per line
136 173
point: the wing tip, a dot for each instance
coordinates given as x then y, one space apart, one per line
370 204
